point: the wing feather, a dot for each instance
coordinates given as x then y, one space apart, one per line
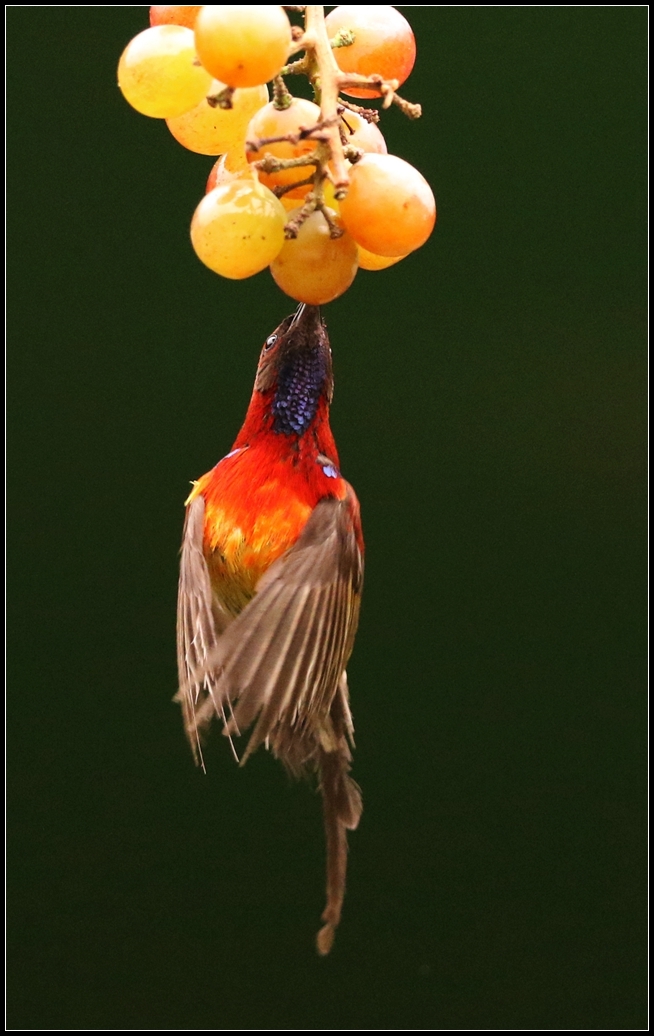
200 622
282 657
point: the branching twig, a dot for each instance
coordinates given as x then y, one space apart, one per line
280 191
333 154
369 114
329 75
270 164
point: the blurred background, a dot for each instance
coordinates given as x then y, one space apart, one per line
490 412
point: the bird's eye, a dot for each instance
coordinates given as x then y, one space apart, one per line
270 342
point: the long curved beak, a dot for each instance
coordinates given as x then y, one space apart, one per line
307 317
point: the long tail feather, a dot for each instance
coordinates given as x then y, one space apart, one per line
342 809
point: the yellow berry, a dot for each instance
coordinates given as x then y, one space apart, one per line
158 72
238 228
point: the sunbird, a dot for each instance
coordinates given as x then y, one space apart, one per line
270 587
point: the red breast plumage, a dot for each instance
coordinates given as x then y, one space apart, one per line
270 584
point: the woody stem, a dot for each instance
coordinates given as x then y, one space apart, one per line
328 82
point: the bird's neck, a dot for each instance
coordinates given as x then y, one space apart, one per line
269 423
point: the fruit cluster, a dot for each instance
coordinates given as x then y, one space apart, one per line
305 188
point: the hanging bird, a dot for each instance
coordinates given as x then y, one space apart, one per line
270 586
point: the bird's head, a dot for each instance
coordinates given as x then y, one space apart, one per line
295 371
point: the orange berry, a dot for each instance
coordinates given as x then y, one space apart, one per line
314 267
361 133
243 44
389 208
384 44
213 131
231 166
169 14
369 261
272 122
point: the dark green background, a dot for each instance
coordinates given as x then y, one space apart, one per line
489 411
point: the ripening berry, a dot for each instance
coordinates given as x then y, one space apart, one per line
213 131
363 134
158 72
314 267
389 208
270 121
368 261
238 228
243 44
231 166
384 44
170 14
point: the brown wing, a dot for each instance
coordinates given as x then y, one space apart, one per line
282 658
200 621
